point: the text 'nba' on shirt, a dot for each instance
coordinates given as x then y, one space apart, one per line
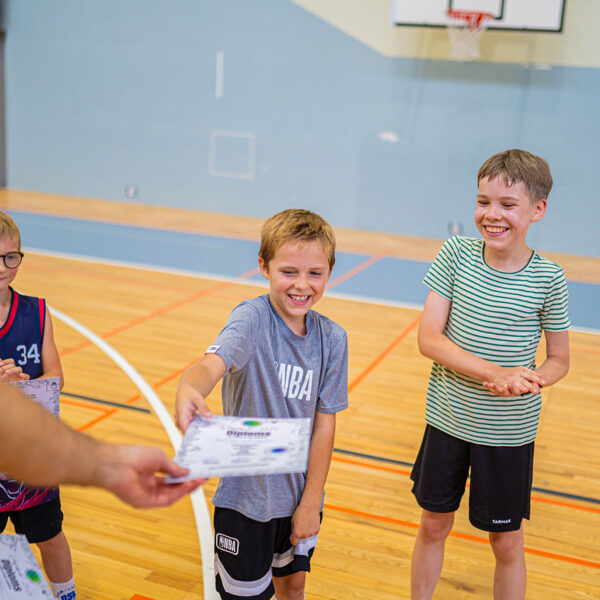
295 383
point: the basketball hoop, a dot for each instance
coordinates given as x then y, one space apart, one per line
465 32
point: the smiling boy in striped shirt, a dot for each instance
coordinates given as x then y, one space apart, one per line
489 301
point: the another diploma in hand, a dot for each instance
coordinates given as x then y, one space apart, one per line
234 446
20 575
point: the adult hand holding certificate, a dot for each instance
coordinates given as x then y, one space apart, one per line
234 446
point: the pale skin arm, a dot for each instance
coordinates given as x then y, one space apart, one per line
306 518
557 362
434 344
195 385
40 450
9 372
50 357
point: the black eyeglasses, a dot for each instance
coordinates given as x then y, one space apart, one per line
12 259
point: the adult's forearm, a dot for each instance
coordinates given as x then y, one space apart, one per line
37 448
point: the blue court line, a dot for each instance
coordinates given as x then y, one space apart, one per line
107 402
390 279
407 464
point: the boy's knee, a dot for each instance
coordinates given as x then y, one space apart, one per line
507 545
290 587
55 541
436 526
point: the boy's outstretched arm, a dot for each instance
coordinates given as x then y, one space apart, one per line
306 520
195 385
50 358
434 344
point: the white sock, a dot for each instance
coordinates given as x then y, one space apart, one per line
65 590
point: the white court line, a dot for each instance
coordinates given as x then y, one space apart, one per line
205 533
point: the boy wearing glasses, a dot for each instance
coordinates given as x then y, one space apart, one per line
28 351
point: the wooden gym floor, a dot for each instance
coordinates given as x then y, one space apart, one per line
162 322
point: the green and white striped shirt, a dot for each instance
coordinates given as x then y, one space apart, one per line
499 317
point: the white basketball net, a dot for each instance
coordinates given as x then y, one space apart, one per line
465 33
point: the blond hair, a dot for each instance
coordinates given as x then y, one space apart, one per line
516 166
295 225
9 229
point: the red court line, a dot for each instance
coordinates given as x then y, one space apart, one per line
361 267
138 597
369 368
160 311
462 536
403 472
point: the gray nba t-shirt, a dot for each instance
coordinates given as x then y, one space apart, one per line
272 372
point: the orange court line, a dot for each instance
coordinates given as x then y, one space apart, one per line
138 597
106 413
160 311
164 380
566 504
377 360
80 405
463 536
370 466
84 273
98 419
585 349
361 267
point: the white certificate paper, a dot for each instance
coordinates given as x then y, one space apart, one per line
20 575
45 392
234 446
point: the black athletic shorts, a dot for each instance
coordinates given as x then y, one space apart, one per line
501 478
248 554
39 523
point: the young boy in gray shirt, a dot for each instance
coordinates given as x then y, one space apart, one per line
277 358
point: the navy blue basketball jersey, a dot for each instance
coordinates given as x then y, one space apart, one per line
22 335
21 338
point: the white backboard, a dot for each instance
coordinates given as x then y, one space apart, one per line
521 15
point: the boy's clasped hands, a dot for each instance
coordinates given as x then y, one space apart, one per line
514 381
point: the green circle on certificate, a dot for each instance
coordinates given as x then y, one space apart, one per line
33 576
252 423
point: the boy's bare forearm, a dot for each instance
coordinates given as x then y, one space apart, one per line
553 370
319 459
557 362
444 351
202 377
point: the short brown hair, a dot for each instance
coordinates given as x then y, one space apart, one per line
9 229
295 225
519 166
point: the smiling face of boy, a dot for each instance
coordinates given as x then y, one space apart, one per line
297 274
503 215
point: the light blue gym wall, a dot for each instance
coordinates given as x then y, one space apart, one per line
102 93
